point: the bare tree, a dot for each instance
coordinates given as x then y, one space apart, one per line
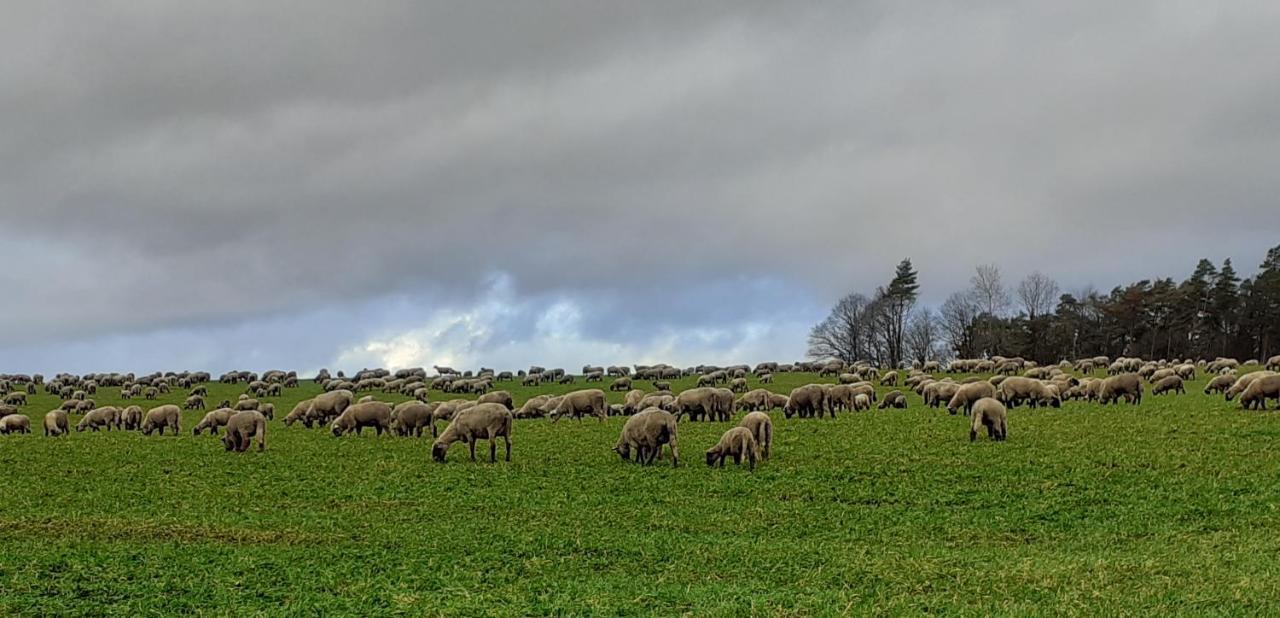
989 290
1037 293
922 335
846 332
957 318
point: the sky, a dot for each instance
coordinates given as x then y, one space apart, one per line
296 185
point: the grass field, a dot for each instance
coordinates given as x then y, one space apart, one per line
1169 507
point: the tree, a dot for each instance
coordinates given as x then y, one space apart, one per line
1037 293
845 333
922 335
957 316
1224 300
988 289
897 300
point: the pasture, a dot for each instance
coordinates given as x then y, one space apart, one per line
1167 507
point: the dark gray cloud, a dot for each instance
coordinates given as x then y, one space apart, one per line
676 174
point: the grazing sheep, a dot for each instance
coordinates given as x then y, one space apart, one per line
895 399
806 401
131 418
326 407
656 400
160 417
738 385
107 417
737 443
213 420
761 426
55 423
485 421
646 432
778 401
620 384
1259 391
989 413
150 393
502 397
242 428
1273 363
15 423
861 402
1126 385
1017 389
298 414
408 418
757 399
1220 384
1243 383
631 401
1168 384
889 379
194 402
374 414
580 403
245 404
533 408
662 386
16 398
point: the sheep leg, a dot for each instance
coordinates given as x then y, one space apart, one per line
507 439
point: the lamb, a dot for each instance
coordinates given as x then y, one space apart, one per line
213 420
737 443
485 421
895 399
761 426
374 414
55 423
1168 384
646 432
242 428
160 417
15 423
1220 384
990 413
1259 391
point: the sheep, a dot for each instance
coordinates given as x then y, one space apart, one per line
213 420
16 398
620 384
160 417
895 399
757 399
990 413
194 402
245 404
487 421
889 379
861 402
533 408
1273 363
1243 383
374 414
646 432
409 417
1220 384
662 386
655 400
15 423
130 418
298 414
502 397
761 426
327 406
1125 385
1168 384
739 385
242 428
55 423
806 401
1259 391
580 403
631 402
1016 389
737 442
107 417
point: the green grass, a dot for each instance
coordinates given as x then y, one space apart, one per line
1169 507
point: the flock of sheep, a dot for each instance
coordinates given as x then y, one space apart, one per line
653 417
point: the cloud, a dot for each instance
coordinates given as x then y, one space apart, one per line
170 172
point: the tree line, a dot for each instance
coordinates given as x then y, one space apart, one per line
1211 313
